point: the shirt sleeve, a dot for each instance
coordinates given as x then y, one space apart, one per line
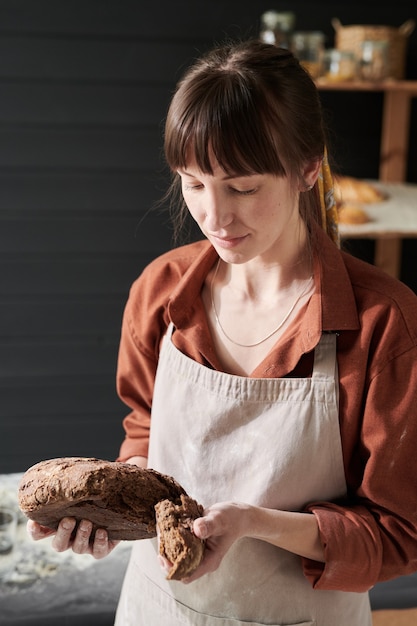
372 536
135 387
143 326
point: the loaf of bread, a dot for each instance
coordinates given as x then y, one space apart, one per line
348 189
352 214
118 497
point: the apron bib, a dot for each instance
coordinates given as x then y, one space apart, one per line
273 443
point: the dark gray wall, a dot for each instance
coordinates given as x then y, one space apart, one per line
84 87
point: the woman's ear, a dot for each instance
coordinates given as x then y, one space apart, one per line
310 173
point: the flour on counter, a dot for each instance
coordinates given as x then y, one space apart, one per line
31 561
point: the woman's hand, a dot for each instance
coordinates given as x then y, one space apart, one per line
69 536
226 522
221 525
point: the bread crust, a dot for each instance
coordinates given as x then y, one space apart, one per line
126 500
118 497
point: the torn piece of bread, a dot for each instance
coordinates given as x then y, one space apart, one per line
177 542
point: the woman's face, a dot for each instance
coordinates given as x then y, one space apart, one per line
244 217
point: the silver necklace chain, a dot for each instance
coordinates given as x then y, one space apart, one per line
280 325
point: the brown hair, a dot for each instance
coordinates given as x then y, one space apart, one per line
255 108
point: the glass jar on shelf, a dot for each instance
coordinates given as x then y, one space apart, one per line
308 47
374 60
339 65
276 28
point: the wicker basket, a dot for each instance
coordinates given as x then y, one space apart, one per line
351 38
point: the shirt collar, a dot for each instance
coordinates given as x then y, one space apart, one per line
189 287
339 311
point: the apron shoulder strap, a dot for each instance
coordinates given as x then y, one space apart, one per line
325 362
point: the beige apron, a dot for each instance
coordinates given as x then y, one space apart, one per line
269 442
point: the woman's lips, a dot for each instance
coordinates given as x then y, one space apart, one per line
227 242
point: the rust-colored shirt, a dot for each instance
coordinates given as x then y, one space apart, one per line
372 535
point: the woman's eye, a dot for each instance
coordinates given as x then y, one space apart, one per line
244 192
192 187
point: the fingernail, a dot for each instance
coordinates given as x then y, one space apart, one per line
67 524
85 527
203 530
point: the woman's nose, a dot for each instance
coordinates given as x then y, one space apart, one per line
217 213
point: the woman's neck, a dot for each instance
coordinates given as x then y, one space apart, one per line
266 276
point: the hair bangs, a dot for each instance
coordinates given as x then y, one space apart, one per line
223 122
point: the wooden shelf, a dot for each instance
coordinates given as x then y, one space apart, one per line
393 149
395 123
407 86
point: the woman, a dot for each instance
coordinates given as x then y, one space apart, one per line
270 373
